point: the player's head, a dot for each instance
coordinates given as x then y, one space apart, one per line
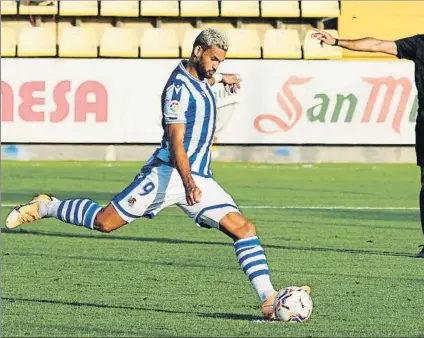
209 50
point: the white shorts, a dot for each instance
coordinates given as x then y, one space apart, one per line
159 187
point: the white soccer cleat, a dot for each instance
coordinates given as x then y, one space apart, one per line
268 307
28 213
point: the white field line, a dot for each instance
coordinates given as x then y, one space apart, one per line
295 207
312 207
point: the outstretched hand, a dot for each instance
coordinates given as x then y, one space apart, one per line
324 37
231 82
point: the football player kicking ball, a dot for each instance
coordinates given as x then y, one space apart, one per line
411 48
178 173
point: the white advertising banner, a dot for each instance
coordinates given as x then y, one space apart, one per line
281 102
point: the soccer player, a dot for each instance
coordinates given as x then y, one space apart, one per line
411 48
178 173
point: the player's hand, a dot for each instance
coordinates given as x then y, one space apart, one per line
231 82
193 194
324 37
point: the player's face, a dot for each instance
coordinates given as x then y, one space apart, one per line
209 60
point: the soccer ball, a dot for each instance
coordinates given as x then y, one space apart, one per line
293 304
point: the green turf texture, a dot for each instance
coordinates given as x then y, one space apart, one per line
167 277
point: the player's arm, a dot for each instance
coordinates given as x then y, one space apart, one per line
175 106
231 82
359 45
176 132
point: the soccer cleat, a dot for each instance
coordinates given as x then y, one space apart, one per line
306 288
268 307
421 253
27 213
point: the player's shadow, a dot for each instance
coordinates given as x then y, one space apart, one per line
183 241
190 265
232 316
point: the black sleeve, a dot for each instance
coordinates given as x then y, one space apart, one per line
407 47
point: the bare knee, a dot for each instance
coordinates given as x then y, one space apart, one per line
247 230
102 222
237 226
107 220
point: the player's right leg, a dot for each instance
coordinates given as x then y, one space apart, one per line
81 212
138 199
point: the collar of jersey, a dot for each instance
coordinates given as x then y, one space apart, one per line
188 74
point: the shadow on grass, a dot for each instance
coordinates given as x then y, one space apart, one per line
338 217
201 266
182 241
232 316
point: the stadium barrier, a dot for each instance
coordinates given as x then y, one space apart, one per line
227 153
282 102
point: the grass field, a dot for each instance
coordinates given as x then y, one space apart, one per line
167 277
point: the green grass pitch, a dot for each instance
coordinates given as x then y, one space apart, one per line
167 277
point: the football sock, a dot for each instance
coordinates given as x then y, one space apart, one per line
252 259
81 212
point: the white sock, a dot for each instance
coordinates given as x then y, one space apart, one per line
49 209
252 259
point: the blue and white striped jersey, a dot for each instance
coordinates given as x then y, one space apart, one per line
188 100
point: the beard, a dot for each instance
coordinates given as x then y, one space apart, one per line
201 70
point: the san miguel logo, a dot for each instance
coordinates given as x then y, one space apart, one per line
380 105
391 84
32 99
289 104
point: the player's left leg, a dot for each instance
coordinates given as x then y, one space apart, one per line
218 210
251 257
